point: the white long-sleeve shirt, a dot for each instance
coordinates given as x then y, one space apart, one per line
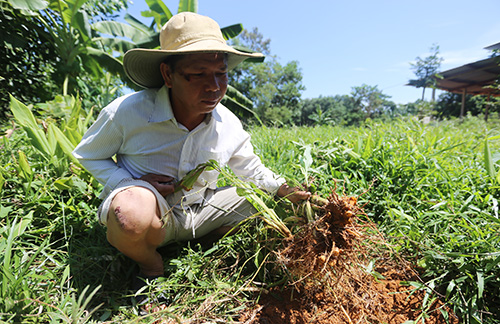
141 131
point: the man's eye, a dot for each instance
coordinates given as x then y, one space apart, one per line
194 76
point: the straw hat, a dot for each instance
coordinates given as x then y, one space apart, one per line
184 33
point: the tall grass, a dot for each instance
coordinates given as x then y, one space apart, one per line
433 190
435 195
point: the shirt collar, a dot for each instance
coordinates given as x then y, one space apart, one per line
162 110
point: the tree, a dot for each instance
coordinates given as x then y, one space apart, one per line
449 105
70 44
371 101
275 89
325 110
66 47
26 59
426 70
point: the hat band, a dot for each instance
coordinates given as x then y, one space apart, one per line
188 40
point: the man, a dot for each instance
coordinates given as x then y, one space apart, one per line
159 134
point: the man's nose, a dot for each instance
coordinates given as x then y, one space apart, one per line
212 83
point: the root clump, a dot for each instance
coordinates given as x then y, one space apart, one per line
343 271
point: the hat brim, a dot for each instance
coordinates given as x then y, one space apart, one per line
142 66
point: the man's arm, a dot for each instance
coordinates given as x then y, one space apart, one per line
96 149
164 184
246 163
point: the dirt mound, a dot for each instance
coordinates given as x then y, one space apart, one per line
386 301
343 271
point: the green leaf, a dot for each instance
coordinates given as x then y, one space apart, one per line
25 118
134 22
70 12
20 228
33 5
188 5
231 31
22 114
64 143
119 29
111 63
25 166
82 21
63 183
401 214
488 161
480 284
159 10
306 159
493 137
2 180
450 288
69 183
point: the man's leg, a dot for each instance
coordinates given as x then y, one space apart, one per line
135 228
221 214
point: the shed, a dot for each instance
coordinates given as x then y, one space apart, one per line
476 78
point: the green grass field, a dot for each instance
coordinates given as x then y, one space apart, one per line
432 189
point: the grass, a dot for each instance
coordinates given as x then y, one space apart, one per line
432 189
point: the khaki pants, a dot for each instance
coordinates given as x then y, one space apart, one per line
221 207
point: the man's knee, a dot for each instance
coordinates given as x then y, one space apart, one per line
132 213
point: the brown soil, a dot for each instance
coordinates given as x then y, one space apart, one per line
388 301
343 271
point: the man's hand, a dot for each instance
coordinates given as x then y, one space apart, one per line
164 184
295 195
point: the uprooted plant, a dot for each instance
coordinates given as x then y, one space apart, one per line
334 252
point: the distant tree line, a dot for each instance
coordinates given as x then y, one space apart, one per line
275 91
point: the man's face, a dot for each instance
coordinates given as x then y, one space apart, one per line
198 83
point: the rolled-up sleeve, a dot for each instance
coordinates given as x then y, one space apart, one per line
249 167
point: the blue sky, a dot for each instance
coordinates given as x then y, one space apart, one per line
342 44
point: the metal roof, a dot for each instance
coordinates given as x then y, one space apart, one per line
493 47
475 78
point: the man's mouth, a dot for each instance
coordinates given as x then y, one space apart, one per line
211 102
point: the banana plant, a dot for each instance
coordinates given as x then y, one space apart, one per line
90 47
76 42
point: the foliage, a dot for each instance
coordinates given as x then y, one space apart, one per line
45 198
435 196
26 59
449 105
326 111
426 70
432 188
275 89
67 28
364 102
371 101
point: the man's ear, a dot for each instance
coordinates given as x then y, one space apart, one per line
166 73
